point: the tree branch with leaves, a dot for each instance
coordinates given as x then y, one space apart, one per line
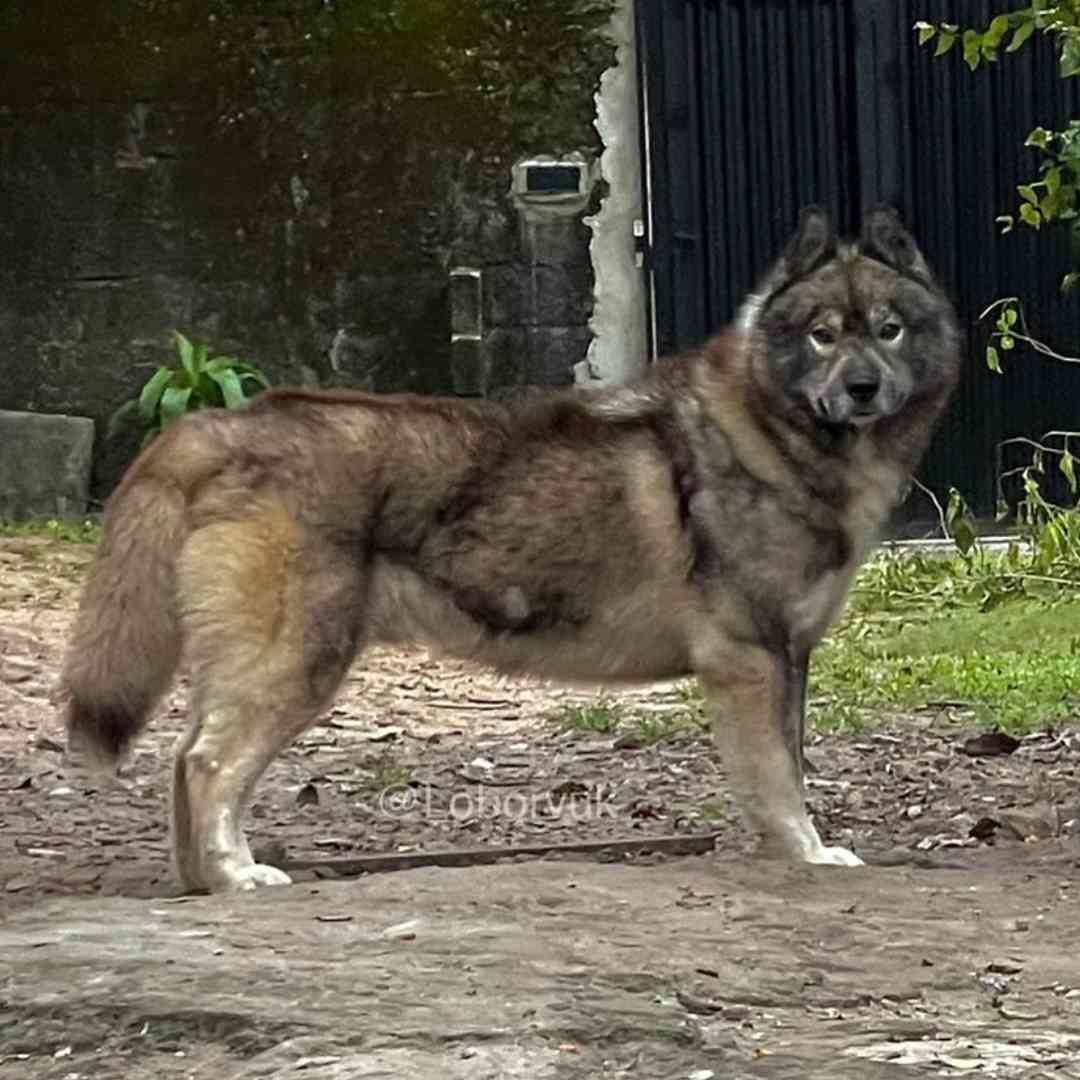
1053 196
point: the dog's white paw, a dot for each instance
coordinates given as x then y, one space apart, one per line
259 874
835 856
248 878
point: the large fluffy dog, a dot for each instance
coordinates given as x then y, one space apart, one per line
705 520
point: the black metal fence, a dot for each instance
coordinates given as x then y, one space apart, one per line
754 108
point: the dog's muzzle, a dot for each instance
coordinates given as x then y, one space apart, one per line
854 391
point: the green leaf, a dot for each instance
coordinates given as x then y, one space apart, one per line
1030 215
231 390
958 521
187 354
1040 137
1068 282
1070 57
174 404
1067 464
946 41
205 393
151 393
1021 34
1052 179
1008 342
1010 315
926 32
120 418
244 370
993 360
998 28
256 377
1029 193
248 372
219 363
972 47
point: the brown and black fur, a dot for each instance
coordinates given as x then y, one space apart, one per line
706 520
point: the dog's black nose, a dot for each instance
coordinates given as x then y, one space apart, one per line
863 388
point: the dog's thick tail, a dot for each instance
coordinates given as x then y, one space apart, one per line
126 644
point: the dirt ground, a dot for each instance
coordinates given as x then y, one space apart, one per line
954 953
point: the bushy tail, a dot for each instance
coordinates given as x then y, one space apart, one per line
126 645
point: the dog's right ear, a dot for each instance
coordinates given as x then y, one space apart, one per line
811 245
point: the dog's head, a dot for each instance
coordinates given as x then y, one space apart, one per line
852 332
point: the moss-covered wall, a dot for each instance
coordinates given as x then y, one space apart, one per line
290 180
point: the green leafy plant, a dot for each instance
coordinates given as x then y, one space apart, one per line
598 718
1054 196
85 531
196 381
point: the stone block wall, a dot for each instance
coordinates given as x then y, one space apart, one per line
289 182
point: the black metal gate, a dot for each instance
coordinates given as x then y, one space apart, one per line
754 108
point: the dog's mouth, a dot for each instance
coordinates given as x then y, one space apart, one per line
844 414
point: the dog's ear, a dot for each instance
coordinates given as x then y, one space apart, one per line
885 239
811 245
808 248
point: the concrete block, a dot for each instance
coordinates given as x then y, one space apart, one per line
44 465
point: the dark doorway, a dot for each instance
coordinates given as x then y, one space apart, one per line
754 108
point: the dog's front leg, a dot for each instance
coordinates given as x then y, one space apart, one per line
794 719
755 697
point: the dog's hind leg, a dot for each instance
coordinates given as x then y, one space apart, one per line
752 694
273 618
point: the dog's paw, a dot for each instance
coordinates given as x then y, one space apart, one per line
257 875
835 856
247 878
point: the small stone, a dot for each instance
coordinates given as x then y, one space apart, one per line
990 744
1025 826
316 1062
387 734
405 931
1019 1014
984 828
14 670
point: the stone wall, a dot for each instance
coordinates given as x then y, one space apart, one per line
288 181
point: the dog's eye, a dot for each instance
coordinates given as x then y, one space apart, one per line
823 335
890 331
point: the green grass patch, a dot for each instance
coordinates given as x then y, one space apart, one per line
653 728
975 636
68 532
648 728
595 718
385 774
